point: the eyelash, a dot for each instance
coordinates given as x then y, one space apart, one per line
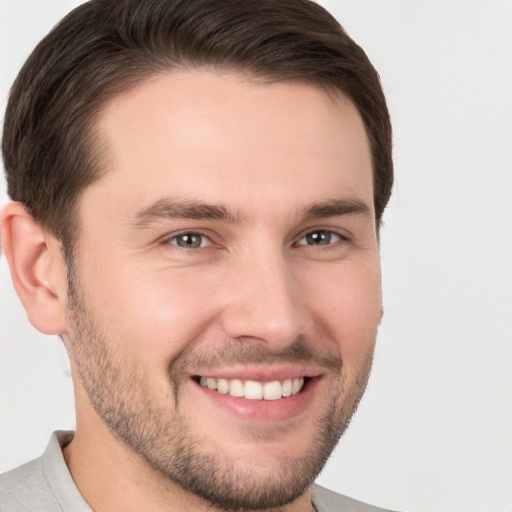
320 233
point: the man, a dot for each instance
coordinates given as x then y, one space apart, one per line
196 194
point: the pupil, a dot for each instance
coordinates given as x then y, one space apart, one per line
319 238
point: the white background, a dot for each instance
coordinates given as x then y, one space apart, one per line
434 432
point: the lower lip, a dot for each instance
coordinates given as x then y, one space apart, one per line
263 410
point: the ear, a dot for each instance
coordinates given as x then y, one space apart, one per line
37 268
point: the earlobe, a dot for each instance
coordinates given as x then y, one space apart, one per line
37 268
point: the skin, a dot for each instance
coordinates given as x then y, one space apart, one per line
260 299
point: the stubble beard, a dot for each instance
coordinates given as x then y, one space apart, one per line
121 395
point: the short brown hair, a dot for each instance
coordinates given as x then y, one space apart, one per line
104 47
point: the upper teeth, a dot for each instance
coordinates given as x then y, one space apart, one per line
254 390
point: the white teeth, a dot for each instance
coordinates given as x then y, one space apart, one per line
236 388
272 390
253 390
287 387
222 386
297 385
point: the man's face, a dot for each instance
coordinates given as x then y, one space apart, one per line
228 252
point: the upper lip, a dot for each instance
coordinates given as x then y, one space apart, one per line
266 373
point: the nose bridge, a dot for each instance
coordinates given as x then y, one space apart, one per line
265 299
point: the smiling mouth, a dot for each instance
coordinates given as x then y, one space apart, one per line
254 390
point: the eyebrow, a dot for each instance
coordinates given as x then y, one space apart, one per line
336 208
171 208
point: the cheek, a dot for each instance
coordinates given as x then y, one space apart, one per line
153 314
347 303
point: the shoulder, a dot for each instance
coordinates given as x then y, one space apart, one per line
26 488
44 484
329 501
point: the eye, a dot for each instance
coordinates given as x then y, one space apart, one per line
320 237
190 240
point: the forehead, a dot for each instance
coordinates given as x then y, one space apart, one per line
210 134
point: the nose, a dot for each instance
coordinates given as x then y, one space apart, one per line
265 302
